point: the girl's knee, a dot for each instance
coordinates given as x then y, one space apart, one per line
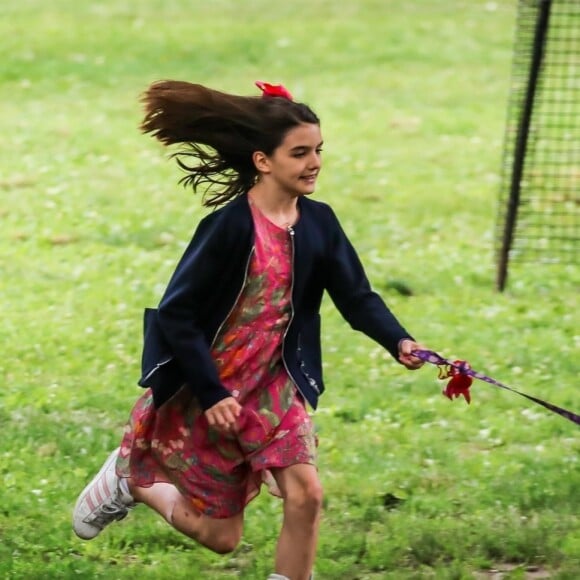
225 542
221 536
307 498
221 542
316 497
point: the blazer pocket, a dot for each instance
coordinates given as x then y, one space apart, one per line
309 353
156 351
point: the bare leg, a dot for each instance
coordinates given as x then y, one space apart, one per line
302 494
219 535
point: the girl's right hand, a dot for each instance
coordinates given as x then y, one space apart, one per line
223 415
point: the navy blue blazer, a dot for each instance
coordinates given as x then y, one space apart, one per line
208 280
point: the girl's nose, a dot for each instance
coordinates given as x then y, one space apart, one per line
314 161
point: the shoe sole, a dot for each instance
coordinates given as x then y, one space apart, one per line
112 456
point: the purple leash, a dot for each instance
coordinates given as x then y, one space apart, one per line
433 358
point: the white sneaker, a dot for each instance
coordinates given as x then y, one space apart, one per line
101 502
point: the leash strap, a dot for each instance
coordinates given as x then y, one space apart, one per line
464 369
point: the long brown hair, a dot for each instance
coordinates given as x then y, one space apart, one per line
220 132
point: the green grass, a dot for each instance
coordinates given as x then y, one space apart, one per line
412 97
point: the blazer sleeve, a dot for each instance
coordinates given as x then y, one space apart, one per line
185 296
351 292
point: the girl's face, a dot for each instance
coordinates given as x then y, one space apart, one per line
295 164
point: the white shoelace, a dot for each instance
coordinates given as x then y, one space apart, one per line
113 510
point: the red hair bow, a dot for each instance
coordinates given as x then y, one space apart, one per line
459 383
269 90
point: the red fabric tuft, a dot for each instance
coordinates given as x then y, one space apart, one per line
459 383
269 90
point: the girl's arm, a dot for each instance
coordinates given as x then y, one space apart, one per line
185 296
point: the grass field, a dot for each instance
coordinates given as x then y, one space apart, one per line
412 97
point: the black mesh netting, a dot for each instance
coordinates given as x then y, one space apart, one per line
541 168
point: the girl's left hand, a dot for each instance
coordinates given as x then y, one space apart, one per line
406 346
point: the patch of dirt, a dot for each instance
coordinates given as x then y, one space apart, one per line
501 571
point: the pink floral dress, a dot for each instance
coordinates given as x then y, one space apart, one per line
221 473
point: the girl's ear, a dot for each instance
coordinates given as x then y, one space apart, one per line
261 161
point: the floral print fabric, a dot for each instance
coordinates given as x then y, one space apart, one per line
221 473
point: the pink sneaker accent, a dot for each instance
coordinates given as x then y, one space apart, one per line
101 502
